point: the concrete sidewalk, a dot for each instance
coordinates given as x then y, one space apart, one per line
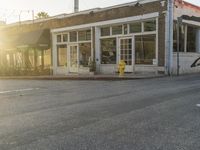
86 77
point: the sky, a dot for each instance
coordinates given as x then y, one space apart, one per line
10 10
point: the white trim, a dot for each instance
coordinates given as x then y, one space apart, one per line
77 36
142 23
92 44
68 33
128 35
43 45
128 26
133 53
23 46
103 23
192 22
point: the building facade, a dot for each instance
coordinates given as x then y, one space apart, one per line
189 37
131 32
96 40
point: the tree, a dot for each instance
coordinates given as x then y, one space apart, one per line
42 15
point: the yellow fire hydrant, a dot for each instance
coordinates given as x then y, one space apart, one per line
121 67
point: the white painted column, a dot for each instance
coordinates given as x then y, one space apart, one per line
92 43
198 41
97 49
169 37
54 54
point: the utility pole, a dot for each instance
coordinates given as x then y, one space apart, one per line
170 37
179 24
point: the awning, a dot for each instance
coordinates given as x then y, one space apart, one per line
8 42
192 18
34 39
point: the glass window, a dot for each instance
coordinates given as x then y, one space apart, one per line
65 37
108 51
73 36
88 35
105 31
181 38
47 58
175 37
150 25
32 58
136 27
59 38
84 35
145 49
117 30
62 55
191 39
85 54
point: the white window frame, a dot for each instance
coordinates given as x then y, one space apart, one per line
97 36
133 35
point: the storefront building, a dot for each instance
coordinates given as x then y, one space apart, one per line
26 53
137 38
189 37
94 41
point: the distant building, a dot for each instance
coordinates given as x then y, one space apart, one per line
138 33
2 23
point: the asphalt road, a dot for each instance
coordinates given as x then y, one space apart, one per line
151 114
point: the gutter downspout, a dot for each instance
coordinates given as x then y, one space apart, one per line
169 26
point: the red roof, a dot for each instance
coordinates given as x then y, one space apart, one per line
187 5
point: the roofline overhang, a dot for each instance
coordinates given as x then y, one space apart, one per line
95 10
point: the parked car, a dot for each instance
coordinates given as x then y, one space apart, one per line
196 63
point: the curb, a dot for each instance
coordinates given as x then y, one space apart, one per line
80 78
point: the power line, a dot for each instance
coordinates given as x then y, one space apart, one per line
15 14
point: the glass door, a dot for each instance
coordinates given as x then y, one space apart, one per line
73 58
126 52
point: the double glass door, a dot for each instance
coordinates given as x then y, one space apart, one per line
76 57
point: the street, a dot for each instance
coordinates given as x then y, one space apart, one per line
148 114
